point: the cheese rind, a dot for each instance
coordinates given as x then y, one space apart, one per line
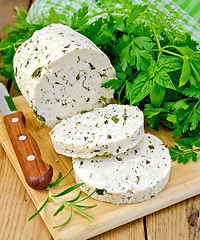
60 73
109 130
131 177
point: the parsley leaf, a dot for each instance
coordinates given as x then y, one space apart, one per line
187 148
192 92
79 18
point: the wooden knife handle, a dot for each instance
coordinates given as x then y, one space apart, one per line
37 173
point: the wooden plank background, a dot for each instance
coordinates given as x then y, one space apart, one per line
178 222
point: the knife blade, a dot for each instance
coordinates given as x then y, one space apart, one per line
37 173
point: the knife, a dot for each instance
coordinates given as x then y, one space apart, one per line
37 173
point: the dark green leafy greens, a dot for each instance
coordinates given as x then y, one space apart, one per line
187 149
158 68
156 61
16 35
72 203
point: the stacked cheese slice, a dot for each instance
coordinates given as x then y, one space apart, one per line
112 154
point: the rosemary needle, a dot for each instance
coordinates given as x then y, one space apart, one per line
72 203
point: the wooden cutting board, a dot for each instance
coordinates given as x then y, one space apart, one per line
184 183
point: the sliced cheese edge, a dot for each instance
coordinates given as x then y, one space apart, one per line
109 130
132 177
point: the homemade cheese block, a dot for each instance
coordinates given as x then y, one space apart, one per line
131 177
109 130
60 73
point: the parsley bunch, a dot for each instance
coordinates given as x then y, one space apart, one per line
158 68
156 61
16 35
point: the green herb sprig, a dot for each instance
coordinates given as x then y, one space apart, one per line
187 148
16 35
72 203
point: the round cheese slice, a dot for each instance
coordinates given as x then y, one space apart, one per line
109 130
131 177
60 73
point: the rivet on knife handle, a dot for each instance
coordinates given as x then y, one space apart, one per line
37 173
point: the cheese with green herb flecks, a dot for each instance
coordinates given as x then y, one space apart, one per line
134 176
60 73
109 130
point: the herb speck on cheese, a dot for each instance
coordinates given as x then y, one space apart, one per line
138 179
100 191
119 159
91 66
83 111
26 64
103 100
103 74
78 76
118 149
58 118
67 46
115 119
151 147
37 73
16 69
40 118
109 136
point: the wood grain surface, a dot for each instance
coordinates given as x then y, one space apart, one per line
184 183
16 207
178 222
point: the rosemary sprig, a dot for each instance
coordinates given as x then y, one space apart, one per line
72 203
